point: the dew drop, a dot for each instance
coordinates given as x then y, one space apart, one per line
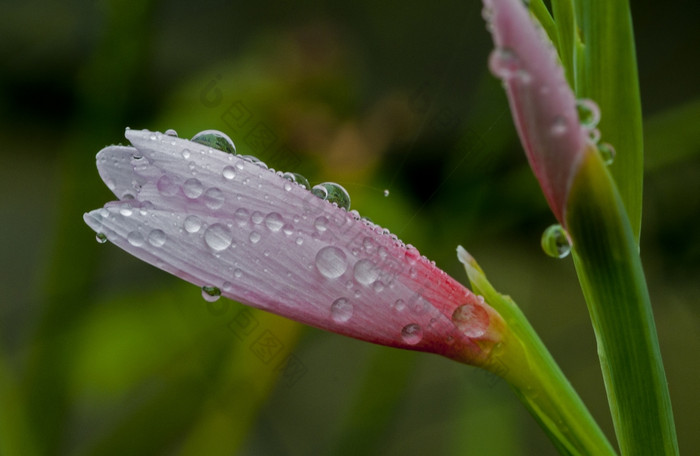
297 178
214 198
386 192
412 254
288 229
366 272
412 333
241 215
399 305
255 160
192 224
341 310
156 238
192 188
237 273
186 154
126 211
588 112
321 224
333 193
257 217
471 319
171 132
594 135
556 242
254 237
274 222
211 294
166 186
299 241
218 237
216 140
229 172
135 238
101 238
607 153
331 262
503 62
558 127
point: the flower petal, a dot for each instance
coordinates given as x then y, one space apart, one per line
542 103
269 243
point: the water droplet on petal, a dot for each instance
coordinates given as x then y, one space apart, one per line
556 242
341 310
331 262
321 224
192 188
254 237
366 272
503 62
257 217
156 238
218 237
216 140
135 238
101 238
192 224
126 211
588 112
214 198
166 186
274 222
237 273
607 153
471 319
211 294
255 160
171 132
594 135
333 193
241 215
412 333
399 305
299 241
558 127
186 154
297 178
229 172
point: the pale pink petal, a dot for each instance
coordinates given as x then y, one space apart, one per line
269 243
542 103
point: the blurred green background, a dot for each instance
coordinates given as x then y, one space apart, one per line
103 354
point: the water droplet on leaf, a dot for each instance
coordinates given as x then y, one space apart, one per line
607 153
556 242
588 112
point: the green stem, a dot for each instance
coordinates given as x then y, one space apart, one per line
524 361
610 271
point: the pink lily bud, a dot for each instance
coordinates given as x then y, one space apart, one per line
542 103
230 225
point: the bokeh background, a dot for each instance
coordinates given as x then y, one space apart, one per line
103 354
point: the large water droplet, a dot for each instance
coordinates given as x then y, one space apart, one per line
503 62
366 272
192 188
135 238
274 222
156 238
341 310
297 178
192 224
321 224
607 153
331 262
588 112
171 132
211 294
333 193
214 198
412 333
101 238
556 242
216 140
218 237
471 319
